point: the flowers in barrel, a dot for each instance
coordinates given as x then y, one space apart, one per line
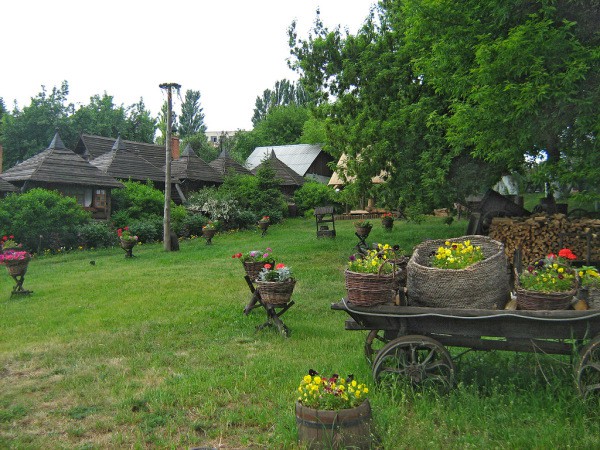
331 393
550 274
456 255
126 236
377 261
265 219
387 220
363 224
275 284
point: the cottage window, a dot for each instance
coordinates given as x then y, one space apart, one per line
87 198
100 199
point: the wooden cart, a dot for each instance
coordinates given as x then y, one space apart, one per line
410 342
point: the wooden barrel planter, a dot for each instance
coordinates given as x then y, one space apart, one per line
345 428
388 223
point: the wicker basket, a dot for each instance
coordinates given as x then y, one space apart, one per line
275 292
536 300
369 289
363 231
483 285
17 267
253 268
127 244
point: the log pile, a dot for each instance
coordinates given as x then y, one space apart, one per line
539 235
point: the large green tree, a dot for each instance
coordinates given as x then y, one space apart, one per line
431 91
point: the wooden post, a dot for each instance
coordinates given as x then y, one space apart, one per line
167 213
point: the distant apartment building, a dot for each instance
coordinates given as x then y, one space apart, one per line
214 137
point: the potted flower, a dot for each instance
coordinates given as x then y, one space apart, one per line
549 283
589 282
374 278
468 272
275 285
128 241
333 412
254 261
14 258
363 228
209 230
264 223
387 220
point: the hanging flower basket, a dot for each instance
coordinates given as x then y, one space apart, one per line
276 292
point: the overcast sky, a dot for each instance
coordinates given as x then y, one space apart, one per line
229 50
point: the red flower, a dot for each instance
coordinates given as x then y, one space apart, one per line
551 255
12 236
566 253
280 266
120 232
4 238
267 266
237 255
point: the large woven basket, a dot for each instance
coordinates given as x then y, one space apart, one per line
17 267
369 289
483 285
363 231
535 300
253 268
275 292
592 297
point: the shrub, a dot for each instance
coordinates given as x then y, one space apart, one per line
313 194
147 230
192 224
96 235
137 201
215 204
42 219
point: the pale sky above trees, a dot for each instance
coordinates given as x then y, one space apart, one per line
230 50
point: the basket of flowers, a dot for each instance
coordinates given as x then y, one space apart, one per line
275 285
589 286
549 283
387 220
363 228
14 257
466 272
255 260
374 278
127 238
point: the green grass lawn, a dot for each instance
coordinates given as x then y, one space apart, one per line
155 351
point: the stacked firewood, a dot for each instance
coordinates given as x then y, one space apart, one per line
538 235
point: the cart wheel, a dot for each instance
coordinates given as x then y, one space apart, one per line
588 369
375 341
420 359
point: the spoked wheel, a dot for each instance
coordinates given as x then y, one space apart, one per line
588 369
419 359
376 340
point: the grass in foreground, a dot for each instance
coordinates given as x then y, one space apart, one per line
155 351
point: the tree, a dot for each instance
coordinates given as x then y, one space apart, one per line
162 123
426 86
100 117
140 126
26 132
284 93
191 121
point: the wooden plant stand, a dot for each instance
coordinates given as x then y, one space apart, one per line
362 247
18 288
274 312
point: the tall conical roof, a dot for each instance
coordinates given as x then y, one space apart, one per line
286 176
190 166
225 164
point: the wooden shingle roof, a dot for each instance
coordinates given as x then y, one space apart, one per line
123 163
225 164
91 147
190 166
58 164
5 186
286 176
